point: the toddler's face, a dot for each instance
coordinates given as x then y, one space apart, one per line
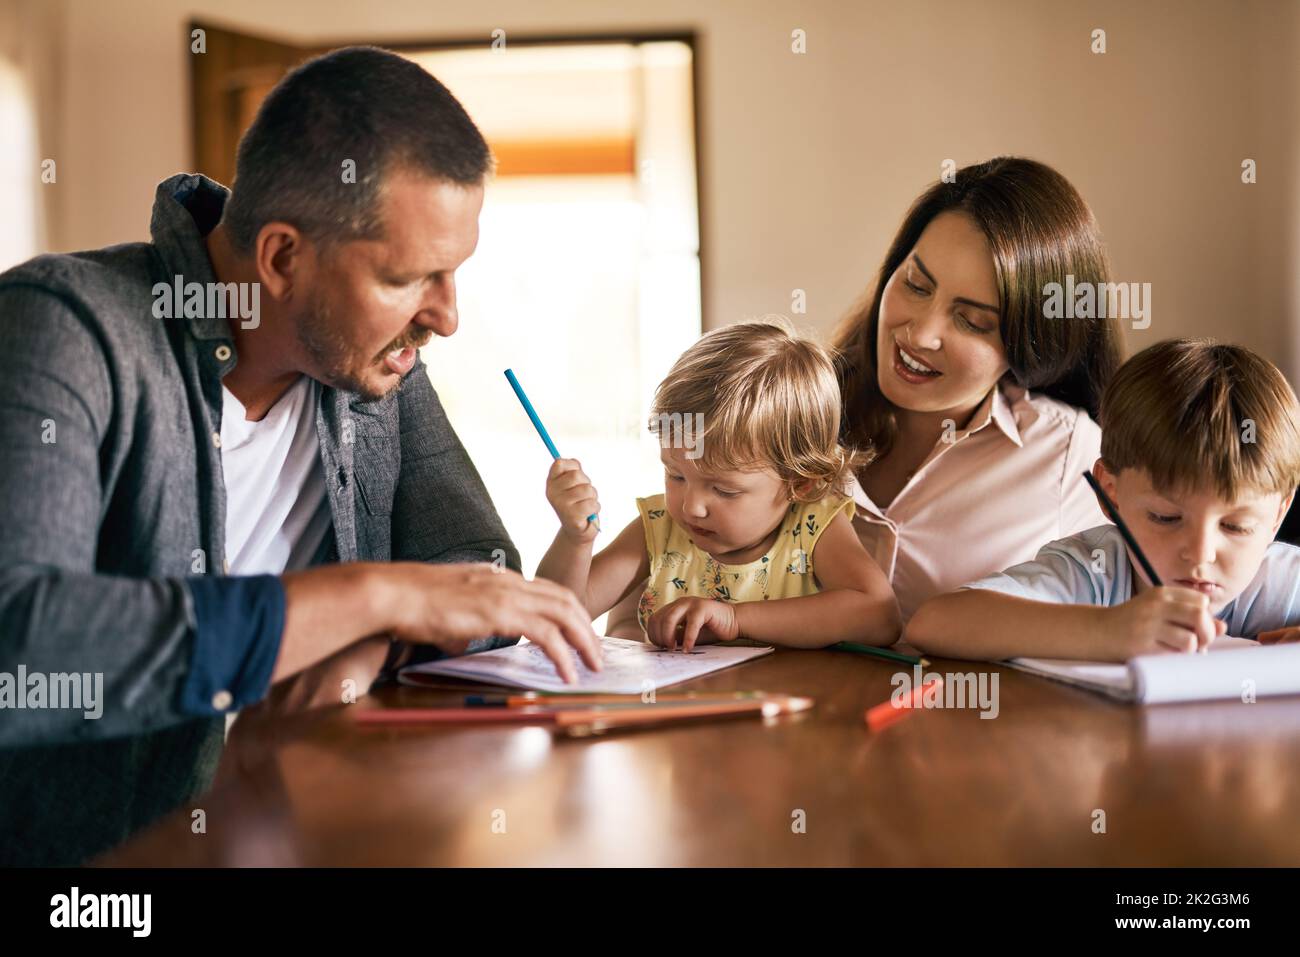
731 515
1195 539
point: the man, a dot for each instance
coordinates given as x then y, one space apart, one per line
197 507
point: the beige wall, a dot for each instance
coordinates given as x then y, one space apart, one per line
808 161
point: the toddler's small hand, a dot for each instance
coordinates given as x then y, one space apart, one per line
573 497
692 620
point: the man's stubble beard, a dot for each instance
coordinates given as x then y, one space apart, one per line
332 359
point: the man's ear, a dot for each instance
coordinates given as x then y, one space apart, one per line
282 256
1282 510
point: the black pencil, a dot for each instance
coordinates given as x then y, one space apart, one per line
1109 507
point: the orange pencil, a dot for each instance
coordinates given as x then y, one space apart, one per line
582 723
533 698
886 713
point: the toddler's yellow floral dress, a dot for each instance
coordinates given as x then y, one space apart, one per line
679 568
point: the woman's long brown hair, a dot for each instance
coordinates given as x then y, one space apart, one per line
1039 229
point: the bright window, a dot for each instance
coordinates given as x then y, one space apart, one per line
587 278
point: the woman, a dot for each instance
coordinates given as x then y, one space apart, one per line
977 405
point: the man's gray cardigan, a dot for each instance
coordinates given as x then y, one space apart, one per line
112 530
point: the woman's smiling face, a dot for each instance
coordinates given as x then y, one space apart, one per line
938 342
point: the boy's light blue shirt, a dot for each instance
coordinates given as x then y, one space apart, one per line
1093 568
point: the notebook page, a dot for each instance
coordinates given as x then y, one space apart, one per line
1143 675
630 667
1236 669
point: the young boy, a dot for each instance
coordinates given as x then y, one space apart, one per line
1201 455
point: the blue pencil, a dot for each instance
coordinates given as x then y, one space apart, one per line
537 422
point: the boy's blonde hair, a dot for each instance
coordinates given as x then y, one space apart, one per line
765 397
1197 415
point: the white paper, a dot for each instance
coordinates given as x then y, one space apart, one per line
630 667
1156 679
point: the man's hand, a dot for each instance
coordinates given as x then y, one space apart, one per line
451 605
448 606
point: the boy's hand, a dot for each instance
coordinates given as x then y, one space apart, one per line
689 621
1163 619
573 497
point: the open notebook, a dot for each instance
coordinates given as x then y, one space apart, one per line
630 667
1155 679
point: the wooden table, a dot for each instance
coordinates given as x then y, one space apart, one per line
1207 784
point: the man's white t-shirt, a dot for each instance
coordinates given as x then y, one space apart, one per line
277 514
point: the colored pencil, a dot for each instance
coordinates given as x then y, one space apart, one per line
537 422
1113 513
886 713
578 724
856 648
557 698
